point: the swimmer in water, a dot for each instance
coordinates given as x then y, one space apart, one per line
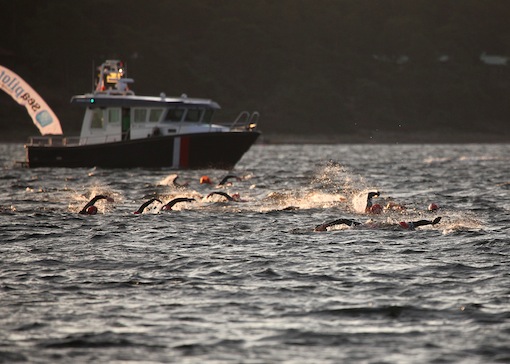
90 209
433 207
394 206
405 225
414 224
177 184
375 209
145 204
235 197
205 180
226 178
169 205
370 207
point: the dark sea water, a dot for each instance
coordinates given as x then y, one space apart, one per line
251 282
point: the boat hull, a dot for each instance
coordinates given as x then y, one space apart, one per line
189 151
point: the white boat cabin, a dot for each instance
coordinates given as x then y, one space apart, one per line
105 121
113 112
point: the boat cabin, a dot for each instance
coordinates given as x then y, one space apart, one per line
110 118
114 113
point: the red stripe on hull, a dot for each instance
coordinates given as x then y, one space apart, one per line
184 153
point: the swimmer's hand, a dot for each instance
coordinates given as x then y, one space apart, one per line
436 220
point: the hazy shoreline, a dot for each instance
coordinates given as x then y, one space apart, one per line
359 138
387 138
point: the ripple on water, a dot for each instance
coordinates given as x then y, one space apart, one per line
252 281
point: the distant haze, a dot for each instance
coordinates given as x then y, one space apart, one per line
319 71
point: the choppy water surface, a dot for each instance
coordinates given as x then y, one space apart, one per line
251 282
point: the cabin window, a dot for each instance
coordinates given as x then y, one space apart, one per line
155 115
114 115
97 119
208 116
139 115
193 115
174 115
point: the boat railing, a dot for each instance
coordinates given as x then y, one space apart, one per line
99 139
246 120
60 141
53 140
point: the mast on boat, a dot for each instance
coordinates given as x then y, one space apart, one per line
111 79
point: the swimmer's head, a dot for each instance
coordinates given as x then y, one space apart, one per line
205 179
376 209
166 208
236 196
92 210
404 225
433 207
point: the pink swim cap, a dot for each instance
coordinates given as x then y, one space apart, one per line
92 210
404 224
433 207
376 209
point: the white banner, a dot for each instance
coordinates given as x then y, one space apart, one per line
39 111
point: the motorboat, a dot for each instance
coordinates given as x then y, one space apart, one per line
124 130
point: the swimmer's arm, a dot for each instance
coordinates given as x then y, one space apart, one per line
348 222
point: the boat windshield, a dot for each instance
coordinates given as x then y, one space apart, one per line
174 115
189 115
193 115
208 114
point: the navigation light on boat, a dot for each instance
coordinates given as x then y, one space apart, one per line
92 100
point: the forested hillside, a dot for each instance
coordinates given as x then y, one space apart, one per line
357 70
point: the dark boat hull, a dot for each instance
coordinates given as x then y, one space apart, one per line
189 151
